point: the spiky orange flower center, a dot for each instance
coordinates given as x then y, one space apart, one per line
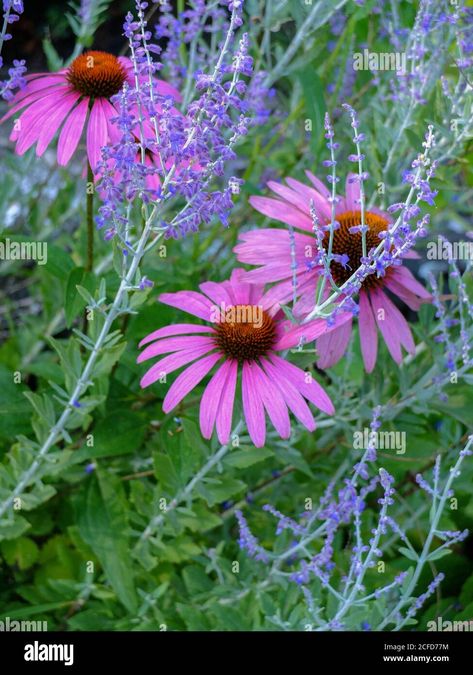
345 242
245 332
96 74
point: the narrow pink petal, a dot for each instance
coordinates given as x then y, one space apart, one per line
32 121
319 186
310 194
165 89
170 363
368 332
71 132
188 380
304 383
332 346
398 323
293 398
30 98
225 411
240 288
405 277
174 344
253 407
55 120
273 401
270 245
413 301
274 208
352 193
380 304
290 196
97 133
190 302
57 81
309 331
216 292
210 402
412 255
175 329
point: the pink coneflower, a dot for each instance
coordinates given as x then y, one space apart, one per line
246 333
271 249
74 97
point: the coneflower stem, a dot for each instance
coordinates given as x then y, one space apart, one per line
90 218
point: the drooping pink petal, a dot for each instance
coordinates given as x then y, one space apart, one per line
352 193
398 323
225 410
368 332
211 400
304 383
285 213
170 363
258 247
55 120
412 255
405 277
413 301
333 345
188 380
273 401
189 301
283 292
293 398
166 89
216 292
175 329
392 324
253 407
240 288
309 331
174 344
32 97
52 80
97 133
319 186
32 121
71 132
290 196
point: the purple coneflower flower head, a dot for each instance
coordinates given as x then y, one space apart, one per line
298 205
246 332
75 97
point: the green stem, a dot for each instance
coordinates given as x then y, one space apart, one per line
90 219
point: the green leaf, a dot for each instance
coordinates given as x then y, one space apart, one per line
103 525
22 552
74 302
407 553
247 457
437 554
217 491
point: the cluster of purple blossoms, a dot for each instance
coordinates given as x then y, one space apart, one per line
11 14
163 152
